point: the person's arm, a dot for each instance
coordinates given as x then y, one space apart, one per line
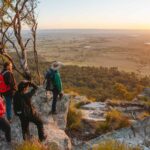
33 91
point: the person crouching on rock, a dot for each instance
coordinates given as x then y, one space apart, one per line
26 112
4 124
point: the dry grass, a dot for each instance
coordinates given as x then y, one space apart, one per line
31 145
71 92
114 102
114 120
113 145
74 118
143 115
117 120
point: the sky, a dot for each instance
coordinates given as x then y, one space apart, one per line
94 14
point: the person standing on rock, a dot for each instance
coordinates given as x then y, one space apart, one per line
9 80
4 124
25 110
54 83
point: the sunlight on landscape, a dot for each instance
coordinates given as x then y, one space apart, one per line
75 75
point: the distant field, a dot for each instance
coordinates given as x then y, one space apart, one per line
127 50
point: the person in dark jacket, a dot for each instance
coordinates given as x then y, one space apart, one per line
9 81
4 124
54 84
25 110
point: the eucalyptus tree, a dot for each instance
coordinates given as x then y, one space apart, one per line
15 15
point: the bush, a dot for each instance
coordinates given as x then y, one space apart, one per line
81 103
143 115
117 120
102 127
113 145
103 83
74 118
114 120
30 145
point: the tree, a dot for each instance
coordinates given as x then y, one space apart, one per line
14 15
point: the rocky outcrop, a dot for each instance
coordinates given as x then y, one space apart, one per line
54 125
94 111
137 134
145 93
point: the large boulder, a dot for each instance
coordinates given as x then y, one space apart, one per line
137 134
54 125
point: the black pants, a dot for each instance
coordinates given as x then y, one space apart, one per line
5 127
35 118
55 97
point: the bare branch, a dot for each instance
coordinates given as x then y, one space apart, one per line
10 59
27 43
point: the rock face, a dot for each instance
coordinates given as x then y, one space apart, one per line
145 93
94 111
137 134
54 125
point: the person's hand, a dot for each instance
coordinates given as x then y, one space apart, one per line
31 84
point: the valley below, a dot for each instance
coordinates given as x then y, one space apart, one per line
127 50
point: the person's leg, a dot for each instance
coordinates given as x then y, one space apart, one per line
38 122
5 127
55 97
25 127
8 100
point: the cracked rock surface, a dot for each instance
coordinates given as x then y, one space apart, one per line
54 125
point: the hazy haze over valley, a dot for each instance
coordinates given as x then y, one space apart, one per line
128 50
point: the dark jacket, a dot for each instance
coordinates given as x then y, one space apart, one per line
10 81
22 102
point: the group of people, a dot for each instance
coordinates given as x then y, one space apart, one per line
19 98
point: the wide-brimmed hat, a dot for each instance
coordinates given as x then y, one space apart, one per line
56 65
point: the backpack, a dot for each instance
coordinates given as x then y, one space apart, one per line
2 107
3 87
49 80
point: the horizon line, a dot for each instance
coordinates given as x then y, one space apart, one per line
90 29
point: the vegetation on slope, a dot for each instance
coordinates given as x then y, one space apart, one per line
103 83
114 120
113 145
74 117
96 83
